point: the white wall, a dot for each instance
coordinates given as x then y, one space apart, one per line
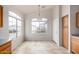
55 24
65 10
74 9
4 33
28 33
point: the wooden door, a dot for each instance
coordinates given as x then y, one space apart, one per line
1 16
65 31
77 19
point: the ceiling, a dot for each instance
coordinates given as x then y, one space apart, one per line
30 8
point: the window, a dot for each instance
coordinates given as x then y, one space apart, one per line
15 23
39 26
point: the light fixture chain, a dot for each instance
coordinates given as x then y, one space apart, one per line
39 10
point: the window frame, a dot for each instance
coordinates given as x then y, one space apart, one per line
16 22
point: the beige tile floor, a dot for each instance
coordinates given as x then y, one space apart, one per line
39 47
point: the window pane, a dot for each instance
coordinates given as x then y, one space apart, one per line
14 15
12 28
39 26
14 20
44 19
19 29
18 33
18 22
35 19
12 36
36 24
43 26
10 19
10 24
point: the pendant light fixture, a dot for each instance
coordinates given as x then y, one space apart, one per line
39 12
40 8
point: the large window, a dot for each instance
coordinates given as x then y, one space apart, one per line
39 26
15 24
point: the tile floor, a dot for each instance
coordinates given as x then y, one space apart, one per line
40 47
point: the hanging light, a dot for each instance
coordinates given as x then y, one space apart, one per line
39 10
39 15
